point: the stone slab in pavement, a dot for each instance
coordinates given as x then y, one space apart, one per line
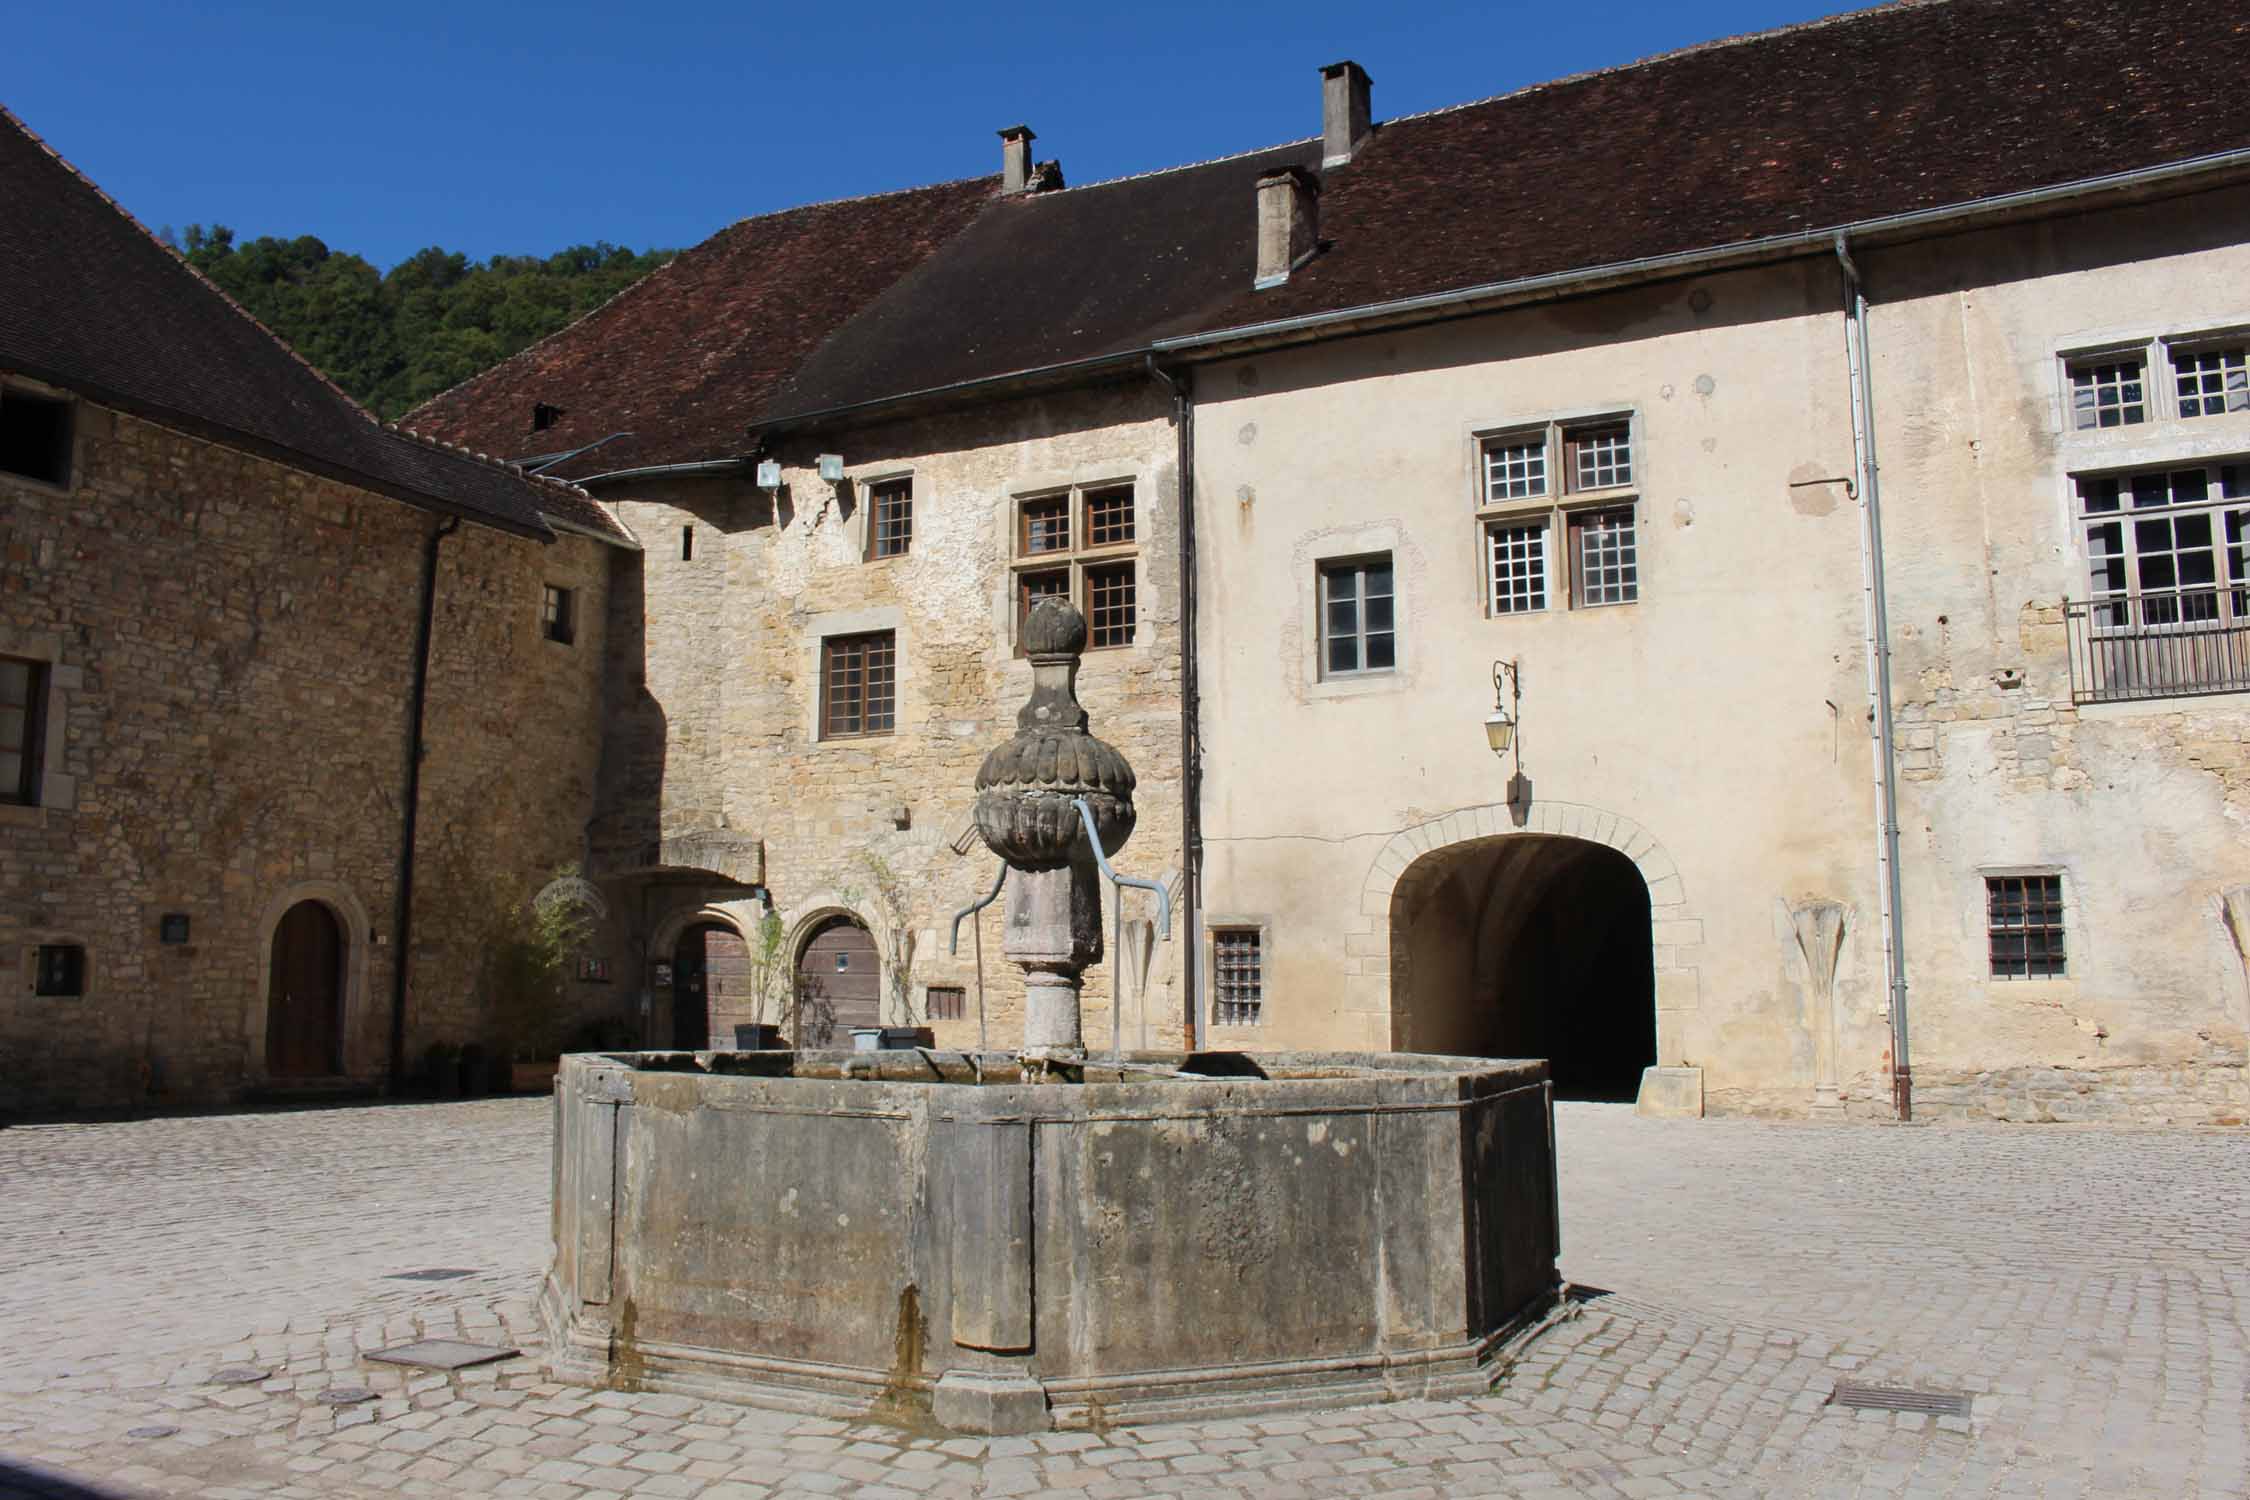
2088 1286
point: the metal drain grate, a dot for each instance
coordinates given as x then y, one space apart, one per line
437 1273
1899 1398
444 1354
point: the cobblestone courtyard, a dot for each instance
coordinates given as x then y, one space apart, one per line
2091 1287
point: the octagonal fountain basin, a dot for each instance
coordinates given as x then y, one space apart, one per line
929 1239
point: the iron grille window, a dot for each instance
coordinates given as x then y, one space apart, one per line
2168 559
891 505
1358 617
1109 516
1605 555
558 614
61 971
2024 924
859 685
35 437
1515 468
1601 458
2108 393
1078 546
2212 382
22 694
948 1002
1516 565
1239 975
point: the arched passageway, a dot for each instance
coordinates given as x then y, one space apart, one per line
710 984
1529 945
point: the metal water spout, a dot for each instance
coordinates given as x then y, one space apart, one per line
1027 812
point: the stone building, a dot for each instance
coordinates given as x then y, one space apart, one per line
1821 476
214 571
1762 456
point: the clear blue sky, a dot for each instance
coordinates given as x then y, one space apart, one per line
524 128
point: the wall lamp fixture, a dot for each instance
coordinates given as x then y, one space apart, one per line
1507 694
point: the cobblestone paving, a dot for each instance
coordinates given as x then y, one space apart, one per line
2091 1287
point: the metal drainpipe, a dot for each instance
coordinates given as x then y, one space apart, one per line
1191 746
1878 623
403 924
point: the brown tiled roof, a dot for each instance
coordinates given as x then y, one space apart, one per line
90 301
684 357
1907 107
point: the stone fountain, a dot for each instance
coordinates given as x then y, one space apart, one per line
1002 1243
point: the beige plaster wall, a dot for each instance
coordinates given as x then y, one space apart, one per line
719 726
2140 806
1715 731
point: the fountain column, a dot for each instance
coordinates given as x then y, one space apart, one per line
1026 795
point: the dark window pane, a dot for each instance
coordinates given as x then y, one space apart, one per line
1379 654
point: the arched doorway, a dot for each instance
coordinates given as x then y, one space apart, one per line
710 986
839 984
305 994
1532 945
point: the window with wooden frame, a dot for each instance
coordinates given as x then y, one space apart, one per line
2108 390
35 433
2024 926
1081 544
890 518
1358 616
23 735
1238 976
858 685
59 971
947 1002
558 614
2212 379
1571 480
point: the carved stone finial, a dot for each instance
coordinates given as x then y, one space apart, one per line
1027 791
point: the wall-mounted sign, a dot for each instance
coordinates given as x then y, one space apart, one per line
660 974
172 927
594 970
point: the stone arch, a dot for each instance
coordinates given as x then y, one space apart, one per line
1380 983
361 1031
827 906
742 918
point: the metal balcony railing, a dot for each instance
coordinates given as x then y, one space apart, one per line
2169 644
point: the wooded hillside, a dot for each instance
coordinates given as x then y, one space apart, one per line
395 340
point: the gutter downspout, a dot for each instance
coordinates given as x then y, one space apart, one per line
1878 623
1191 745
402 927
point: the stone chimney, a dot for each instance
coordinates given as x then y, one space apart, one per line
1288 223
1015 158
1344 117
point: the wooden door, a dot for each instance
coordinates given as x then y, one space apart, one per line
839 985
305 995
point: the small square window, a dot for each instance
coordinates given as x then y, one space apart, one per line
891 515
2107 393
1599 458
2024 926
2212 381
1516 566
23 693
1515 468
544 416
1109 516
60 971
1112 608
558 614
1605 557
1238 975
35 437
1358 617
859 685
948 1002
1046 525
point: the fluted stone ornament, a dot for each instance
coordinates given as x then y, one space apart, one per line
1027 792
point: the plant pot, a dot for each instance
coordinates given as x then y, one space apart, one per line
867 1038
533 1077
756 1038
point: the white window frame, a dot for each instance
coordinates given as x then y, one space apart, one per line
1357 562
1552 507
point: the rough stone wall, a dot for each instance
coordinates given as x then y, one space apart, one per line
234 641
2140 807
718 724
